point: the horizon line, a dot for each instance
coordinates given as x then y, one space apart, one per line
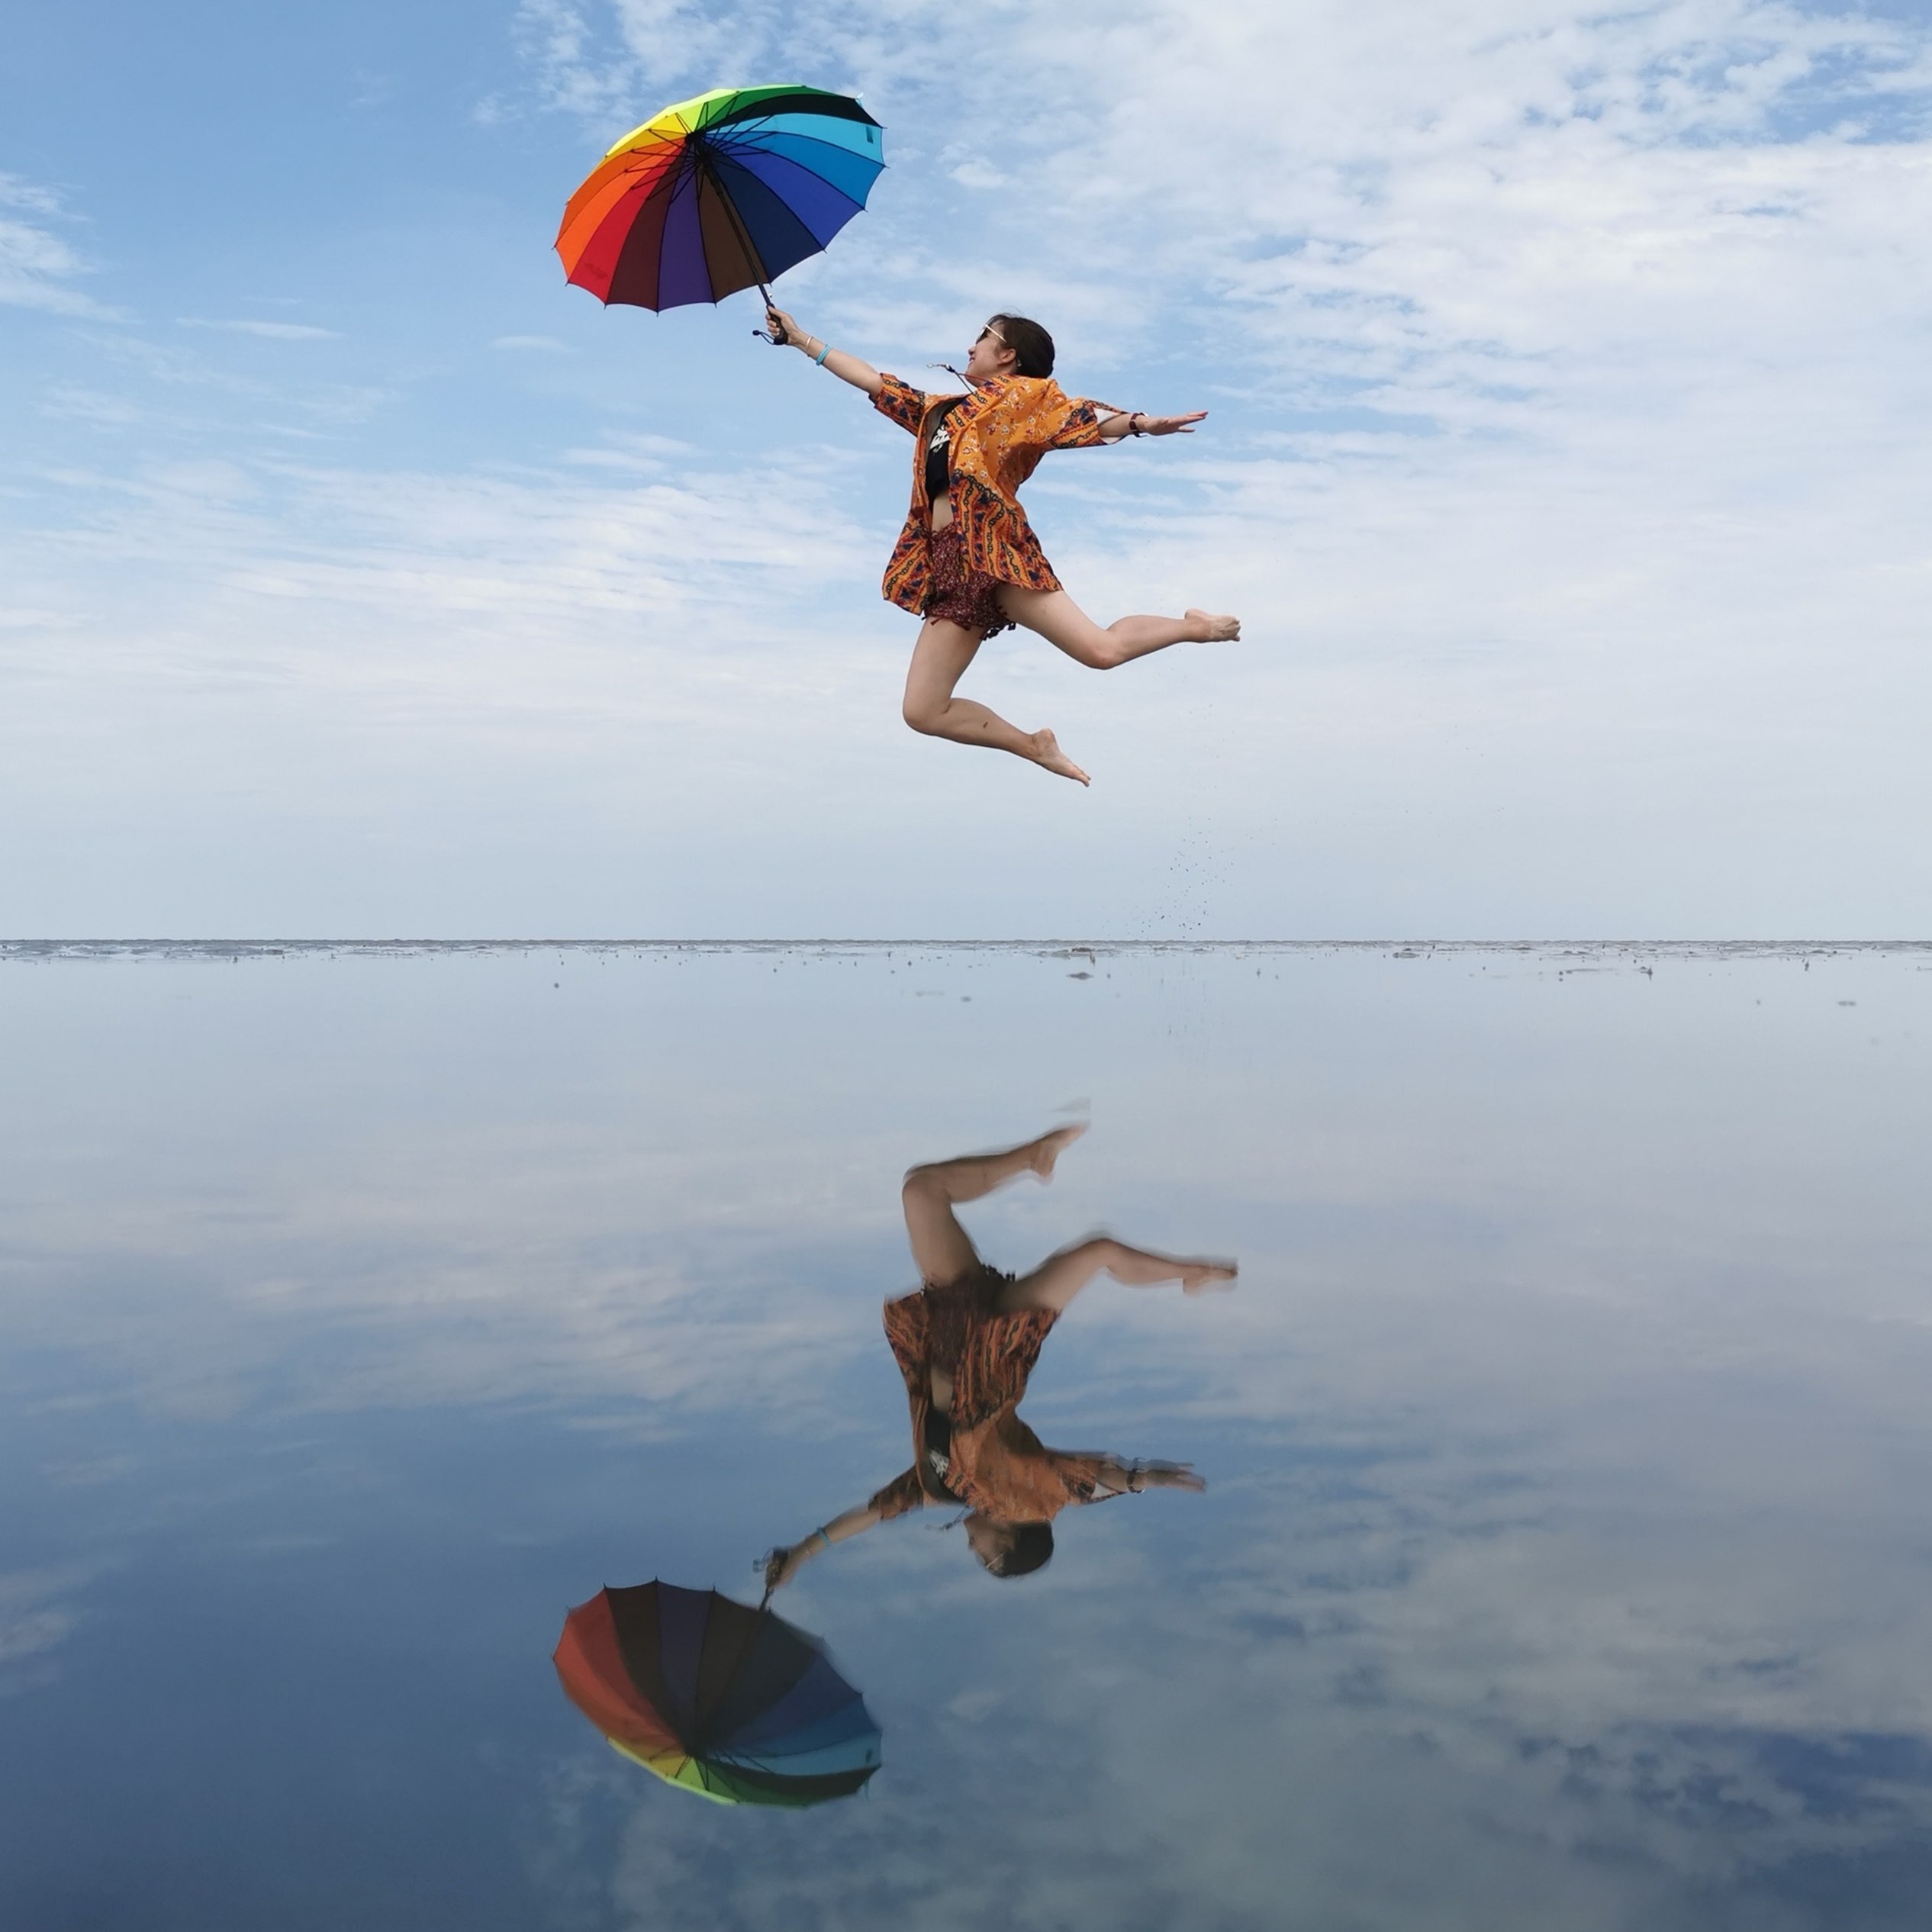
271 944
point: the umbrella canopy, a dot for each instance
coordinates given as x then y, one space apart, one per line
731 1702
718 194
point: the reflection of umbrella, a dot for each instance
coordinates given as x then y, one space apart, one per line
710 1694
719 194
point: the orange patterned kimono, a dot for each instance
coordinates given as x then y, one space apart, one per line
998 434
998 1464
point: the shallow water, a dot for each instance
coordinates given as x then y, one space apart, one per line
1563 1562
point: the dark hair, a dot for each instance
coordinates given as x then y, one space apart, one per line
1030 1546
1033 348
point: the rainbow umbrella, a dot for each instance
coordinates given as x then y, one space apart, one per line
718 194
731 1702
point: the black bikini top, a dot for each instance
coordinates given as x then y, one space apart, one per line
936 1461
938 456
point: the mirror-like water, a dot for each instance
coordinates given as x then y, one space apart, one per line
1562 1559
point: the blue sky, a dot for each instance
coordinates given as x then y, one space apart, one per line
1568 374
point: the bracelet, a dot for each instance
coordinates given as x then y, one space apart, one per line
1131 421
818 361
823 1537
1133 1480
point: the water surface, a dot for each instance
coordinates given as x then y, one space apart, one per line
1564 1561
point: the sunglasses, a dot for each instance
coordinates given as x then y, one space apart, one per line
988 331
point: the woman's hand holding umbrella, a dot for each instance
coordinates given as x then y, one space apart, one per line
782 1565
785 1562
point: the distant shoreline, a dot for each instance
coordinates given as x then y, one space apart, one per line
30 950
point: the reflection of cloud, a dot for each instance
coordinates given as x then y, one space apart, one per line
1563 1546
1122 1740
1392 1788
1173 1819
389 1284
34 1622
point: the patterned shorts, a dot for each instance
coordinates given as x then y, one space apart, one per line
957 1326
958 593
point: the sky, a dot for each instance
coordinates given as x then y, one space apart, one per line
1568 376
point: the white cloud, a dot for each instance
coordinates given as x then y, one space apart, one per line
1532 220
977 174
268 331
1439 204
1568 390
17 193
79 404
36 266
555 39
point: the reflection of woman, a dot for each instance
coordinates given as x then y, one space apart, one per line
966 1342
968 560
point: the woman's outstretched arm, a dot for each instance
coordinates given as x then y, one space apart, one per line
847 367
785 1562
1115 1478
1139 424
1123 423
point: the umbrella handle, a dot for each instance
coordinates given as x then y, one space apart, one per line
781 339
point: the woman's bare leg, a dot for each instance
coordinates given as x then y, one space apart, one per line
939 661
1062 622
1057 1279
941 1249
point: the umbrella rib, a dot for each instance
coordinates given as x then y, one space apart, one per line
762 125
737 150
754 260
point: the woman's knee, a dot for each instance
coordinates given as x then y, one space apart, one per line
923 713
1097 649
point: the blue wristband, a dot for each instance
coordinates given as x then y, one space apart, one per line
818 361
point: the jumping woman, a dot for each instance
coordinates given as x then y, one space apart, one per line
968 560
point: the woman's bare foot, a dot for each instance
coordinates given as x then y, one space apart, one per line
1199 1277
1210 629
1047 753
1049 1148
